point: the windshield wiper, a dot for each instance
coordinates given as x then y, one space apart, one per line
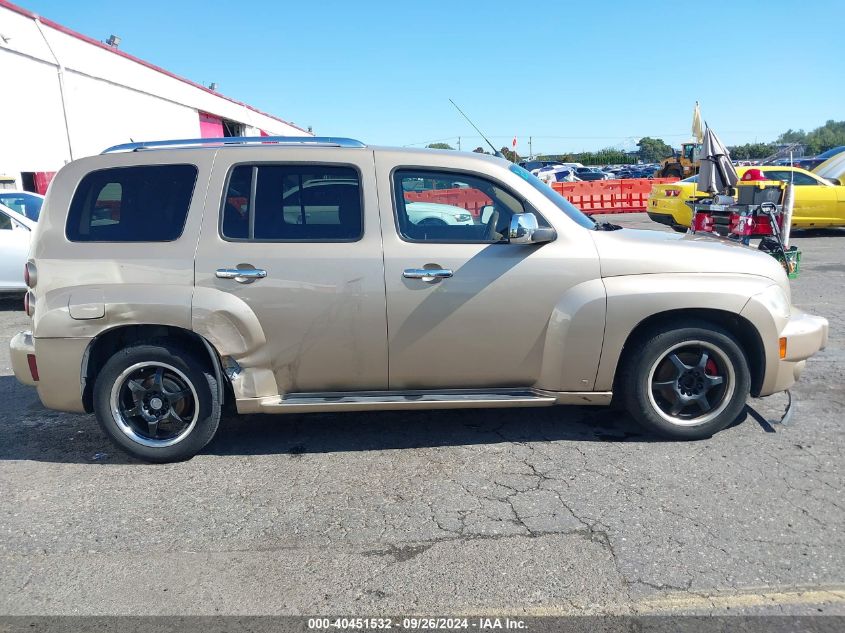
606 226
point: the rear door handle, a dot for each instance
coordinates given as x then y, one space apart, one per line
427 274
241 275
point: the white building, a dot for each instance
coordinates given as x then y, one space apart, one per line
65 96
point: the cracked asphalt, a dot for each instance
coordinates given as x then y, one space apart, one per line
534 511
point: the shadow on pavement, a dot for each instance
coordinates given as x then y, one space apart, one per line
28 431
831 232
11 302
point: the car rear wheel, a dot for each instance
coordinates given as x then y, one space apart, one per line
687 382
157 402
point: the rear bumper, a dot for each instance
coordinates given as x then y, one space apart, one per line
675 210
805 335
662 218
20 347
59 379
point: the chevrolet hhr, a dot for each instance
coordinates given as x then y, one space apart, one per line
171 281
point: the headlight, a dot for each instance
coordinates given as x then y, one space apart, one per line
463 217
775 299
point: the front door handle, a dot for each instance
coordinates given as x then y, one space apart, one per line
427 274
241 275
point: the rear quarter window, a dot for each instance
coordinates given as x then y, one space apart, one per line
144 203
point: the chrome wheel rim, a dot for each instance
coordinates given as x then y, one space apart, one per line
691 383
154 404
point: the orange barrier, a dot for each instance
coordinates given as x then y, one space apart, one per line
470 199
609 196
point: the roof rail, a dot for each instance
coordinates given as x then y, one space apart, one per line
322 141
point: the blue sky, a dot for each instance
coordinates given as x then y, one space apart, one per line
574 75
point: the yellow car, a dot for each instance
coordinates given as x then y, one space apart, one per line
818 203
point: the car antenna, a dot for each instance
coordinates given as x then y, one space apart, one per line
495 151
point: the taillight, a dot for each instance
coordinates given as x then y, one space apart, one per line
29 303
673 193
33 366
30 274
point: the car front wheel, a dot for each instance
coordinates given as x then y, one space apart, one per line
157 402
687 382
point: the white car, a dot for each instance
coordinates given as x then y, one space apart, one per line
26 203
432 213
15 235
560 173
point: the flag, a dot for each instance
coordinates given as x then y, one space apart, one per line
697 130
514 143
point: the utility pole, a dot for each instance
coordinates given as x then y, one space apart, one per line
530 147
459 143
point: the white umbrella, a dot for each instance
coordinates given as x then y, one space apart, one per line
697 132
717 172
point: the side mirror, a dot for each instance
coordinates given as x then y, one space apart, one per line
835 181
486 213
524 229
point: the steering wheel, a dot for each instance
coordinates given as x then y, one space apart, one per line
490 232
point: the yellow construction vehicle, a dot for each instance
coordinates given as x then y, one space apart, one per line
681 165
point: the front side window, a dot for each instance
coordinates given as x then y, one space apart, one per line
144 203
309 203
452 207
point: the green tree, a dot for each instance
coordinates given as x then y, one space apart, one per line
653 150
752 150
480 150
792 136
831 134
510 155
439 146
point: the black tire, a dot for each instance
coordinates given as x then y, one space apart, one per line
679 228
174 374
653 384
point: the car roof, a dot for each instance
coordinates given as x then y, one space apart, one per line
291 142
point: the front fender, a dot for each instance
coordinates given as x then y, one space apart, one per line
632 299
574 335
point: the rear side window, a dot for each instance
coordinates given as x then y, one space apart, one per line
146 203
292 203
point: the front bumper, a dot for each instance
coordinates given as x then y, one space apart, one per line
20 348
805 335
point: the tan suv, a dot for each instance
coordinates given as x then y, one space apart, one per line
169 280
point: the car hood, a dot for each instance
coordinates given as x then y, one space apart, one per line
642 252
833 167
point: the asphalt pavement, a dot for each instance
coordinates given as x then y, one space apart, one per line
535 512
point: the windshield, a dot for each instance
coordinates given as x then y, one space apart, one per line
562 203
27 204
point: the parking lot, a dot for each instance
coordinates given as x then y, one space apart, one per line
533 511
